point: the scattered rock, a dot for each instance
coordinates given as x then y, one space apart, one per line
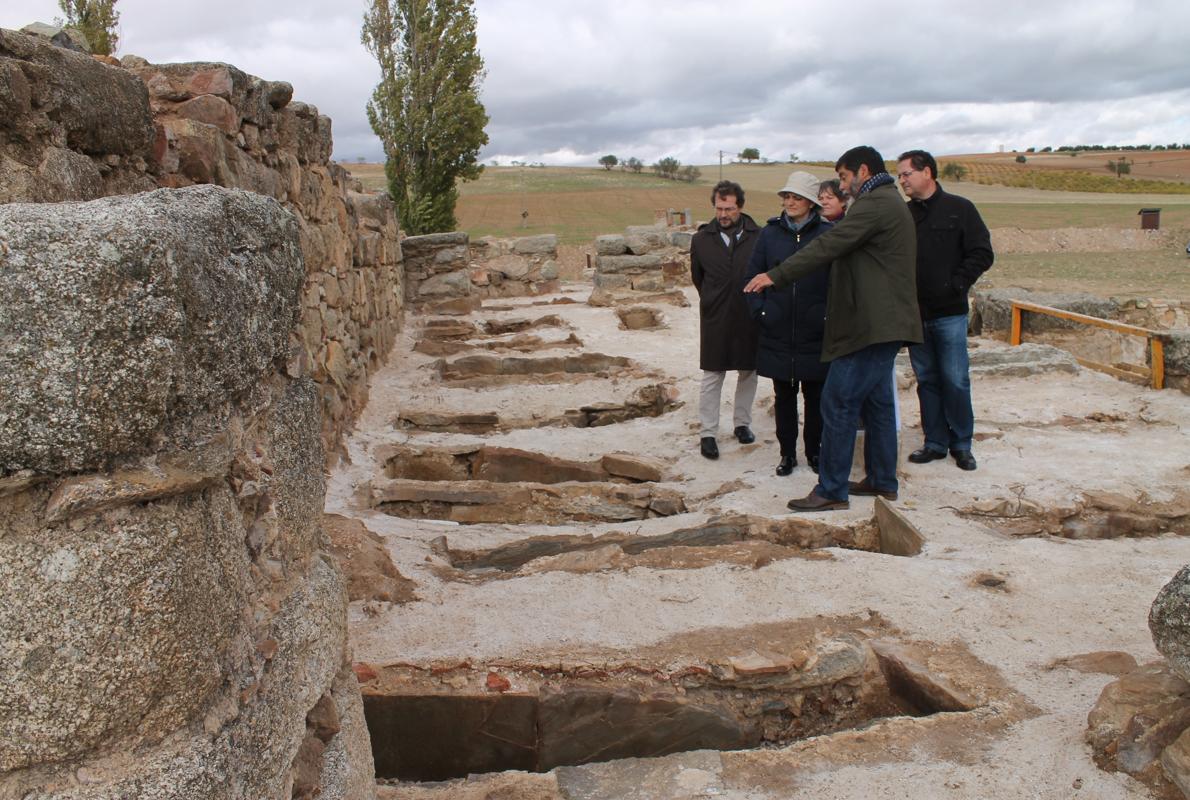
1107 662
1169 622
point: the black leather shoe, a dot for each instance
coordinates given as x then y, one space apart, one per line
816 502
813 462
709 447
786 466
744 434
926 455
964 459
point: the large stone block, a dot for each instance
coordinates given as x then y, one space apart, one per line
99 110
634 264
1169 622
247 752
544 244
115 624
128 313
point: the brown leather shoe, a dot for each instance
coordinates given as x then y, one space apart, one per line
816 502
864 489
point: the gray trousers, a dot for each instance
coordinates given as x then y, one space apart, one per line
708 400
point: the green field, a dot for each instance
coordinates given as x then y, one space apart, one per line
579 204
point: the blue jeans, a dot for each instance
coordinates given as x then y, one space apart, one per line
858 387
944 384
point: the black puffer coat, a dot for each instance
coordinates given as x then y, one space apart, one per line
791 320
726 332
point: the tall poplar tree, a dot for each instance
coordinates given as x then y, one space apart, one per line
426 108
97 19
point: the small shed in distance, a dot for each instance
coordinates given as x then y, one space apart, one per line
1150 219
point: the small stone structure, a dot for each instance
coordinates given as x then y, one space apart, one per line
445 266
645 258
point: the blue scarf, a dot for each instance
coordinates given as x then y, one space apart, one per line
879 179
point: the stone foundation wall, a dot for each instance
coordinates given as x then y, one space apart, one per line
643 259
74 128
991 315
442 267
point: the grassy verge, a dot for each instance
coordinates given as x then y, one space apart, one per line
1149 274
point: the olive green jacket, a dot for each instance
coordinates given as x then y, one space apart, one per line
872 253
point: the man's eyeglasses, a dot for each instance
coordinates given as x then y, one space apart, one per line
907 173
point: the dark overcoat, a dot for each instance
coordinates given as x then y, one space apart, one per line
790 320
872 255
726 332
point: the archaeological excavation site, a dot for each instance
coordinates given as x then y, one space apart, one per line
295 506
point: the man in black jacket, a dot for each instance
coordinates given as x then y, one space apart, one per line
953 249
719 254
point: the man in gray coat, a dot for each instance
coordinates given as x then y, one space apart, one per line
871 312
719 255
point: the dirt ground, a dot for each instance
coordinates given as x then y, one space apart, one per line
1014 604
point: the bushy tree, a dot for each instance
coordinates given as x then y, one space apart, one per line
667 167
634 164
608 161
1021 159
690 173
954 170
426 108
1121 167
749 154
97 19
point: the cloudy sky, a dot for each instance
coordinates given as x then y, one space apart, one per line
568 81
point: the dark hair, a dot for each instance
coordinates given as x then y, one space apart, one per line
725 188
833 187
861 156
920 160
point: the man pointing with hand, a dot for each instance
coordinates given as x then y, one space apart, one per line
871 312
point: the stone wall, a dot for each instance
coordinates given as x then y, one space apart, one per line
643 259
74 128
177 364
442 268
991 315
172 626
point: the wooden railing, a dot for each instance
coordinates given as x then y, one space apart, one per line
1156 345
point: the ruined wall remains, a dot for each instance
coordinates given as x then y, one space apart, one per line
172 625
73 128
643 259
175 365
991 315
445 267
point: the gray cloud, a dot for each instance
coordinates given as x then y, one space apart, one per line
569 81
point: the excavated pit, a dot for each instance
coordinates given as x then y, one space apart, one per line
651 400
473 502
509 465
745 539
769 686
448 337
488 370
641 318
1095 515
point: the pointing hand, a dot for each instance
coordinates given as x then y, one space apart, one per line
759 283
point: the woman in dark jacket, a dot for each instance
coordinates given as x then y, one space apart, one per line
791 320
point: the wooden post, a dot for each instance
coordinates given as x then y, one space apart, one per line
1014 336
1157 357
